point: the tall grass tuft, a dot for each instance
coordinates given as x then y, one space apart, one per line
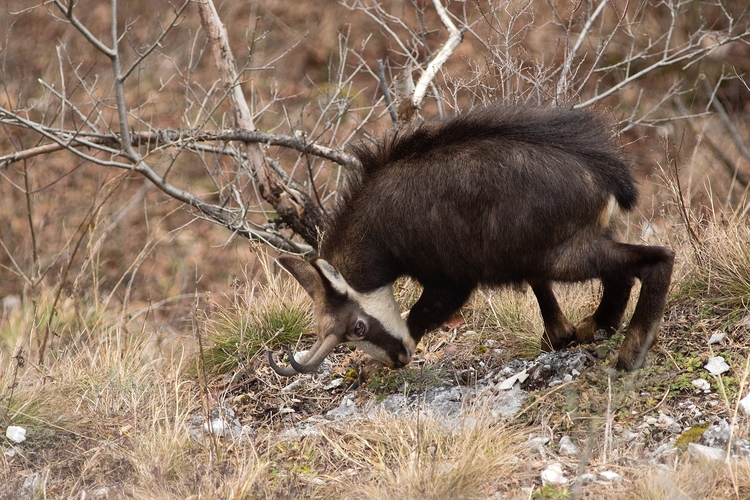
261 316
724 273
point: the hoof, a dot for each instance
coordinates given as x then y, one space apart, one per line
560 337
586 329
625 364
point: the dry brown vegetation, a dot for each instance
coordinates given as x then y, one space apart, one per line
127 315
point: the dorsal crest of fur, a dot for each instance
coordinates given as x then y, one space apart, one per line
579 133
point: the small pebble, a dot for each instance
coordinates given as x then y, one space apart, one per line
717 365
611 476
717 338
553 474
15 434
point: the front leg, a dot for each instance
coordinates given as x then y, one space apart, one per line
558 330
433 308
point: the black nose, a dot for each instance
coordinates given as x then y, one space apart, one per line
397 364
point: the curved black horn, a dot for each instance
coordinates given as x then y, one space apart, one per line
310 362
284 372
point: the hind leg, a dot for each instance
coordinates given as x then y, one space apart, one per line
655 273
618 265
608 315
558 330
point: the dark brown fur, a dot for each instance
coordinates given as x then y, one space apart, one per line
498 196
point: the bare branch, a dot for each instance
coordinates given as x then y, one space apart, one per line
293 207
455 36
69 139
563 83
386 92
158 41
67 11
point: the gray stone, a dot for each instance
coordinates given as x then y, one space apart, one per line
567 447
586 478
705 452
717 338
347 408
741 448
610 476
717 436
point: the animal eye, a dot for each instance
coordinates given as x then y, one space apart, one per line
359 329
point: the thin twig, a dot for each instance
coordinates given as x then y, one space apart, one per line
727 122
386 92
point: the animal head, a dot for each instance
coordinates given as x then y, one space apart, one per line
370 321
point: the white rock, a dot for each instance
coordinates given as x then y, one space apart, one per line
717 338
568 447
611 476
553 474
745 404
705 452
296 384
538 441
508 383
651 420
702 384
11 452
334 383
665 420
717 365
586 478
220 427
15 434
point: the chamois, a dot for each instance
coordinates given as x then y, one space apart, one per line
500 195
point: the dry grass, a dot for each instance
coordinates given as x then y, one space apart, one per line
724 273
423 458
111 412
112 405
693 479
260 317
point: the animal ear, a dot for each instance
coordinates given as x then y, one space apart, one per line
306 274
333 276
